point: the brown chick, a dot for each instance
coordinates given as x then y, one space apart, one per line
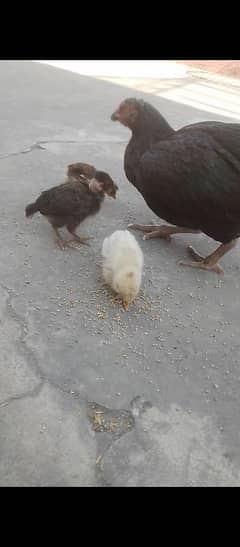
80 172
70 203
84 172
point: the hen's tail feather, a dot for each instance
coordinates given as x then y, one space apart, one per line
31 209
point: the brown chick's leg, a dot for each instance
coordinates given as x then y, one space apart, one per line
59 240
210 263
82 240
163 231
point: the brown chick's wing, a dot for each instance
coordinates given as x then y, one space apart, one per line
188 181
67 199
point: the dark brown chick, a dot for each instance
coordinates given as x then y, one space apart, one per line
70 203
84 172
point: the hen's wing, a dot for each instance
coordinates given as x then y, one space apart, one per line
227 135
191 180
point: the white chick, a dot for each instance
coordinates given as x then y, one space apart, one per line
123 265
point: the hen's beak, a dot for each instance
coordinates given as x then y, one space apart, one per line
115 116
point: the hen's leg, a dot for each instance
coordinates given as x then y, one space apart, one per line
210 262
163 231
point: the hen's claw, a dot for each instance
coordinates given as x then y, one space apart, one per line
157 233
210 268
201 262
153 231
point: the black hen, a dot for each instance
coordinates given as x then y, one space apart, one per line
189 177
71 203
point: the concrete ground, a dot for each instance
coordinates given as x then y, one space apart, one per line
90 395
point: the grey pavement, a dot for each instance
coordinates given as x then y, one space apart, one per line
91 395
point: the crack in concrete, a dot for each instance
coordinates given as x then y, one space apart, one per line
35 146
23 348
39 145
30 358
32 362
36 391
32 393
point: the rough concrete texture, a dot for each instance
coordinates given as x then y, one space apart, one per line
65 344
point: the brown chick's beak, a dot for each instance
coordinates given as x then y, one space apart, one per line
114 195
113 192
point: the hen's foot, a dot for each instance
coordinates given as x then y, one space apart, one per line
210 262
153 231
